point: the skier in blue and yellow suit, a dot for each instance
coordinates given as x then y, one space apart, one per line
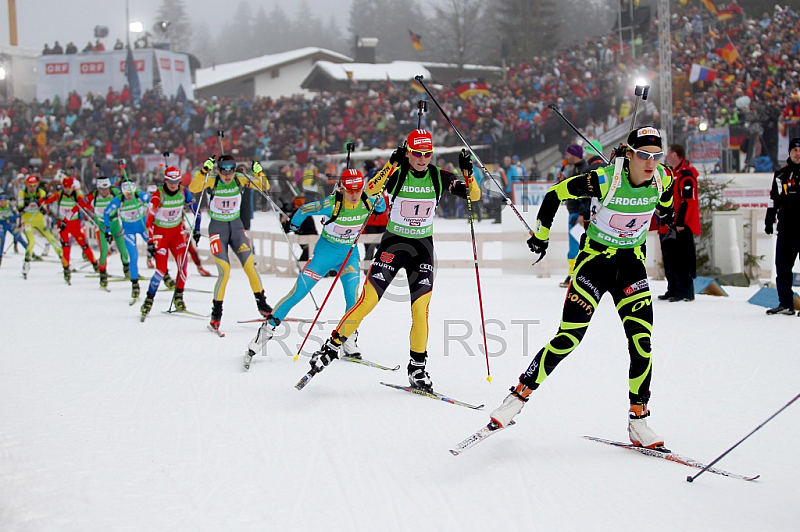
346 211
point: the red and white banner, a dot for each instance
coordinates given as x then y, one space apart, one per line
96 72
173 70
747 198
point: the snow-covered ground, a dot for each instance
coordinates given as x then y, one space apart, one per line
107 423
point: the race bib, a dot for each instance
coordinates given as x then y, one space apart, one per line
169 215
130 216
628 223
416 208
225 205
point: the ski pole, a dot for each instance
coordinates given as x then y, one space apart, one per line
475 155
387 169
467 178
280 212
181 270
639 91
691 478
576 130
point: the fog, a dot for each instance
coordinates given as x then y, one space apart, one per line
49 20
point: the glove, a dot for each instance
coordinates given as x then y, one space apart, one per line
43 210
537 245
398 157
667 217
769 221
196 236
62 224
465 162
257 168
109 237
207 166
151 248
293 228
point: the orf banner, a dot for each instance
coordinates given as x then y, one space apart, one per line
95 72
173 70
707 147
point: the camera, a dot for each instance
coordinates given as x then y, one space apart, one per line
642 90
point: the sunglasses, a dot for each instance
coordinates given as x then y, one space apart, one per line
226 169
422 154
646 155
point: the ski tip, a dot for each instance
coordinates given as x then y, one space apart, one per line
454 452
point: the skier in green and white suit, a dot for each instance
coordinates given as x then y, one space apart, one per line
612 259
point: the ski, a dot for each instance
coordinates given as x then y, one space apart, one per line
187 289
262 320
133 301
477 437
433 395
368 363
216 331
187 313
305 378
666 454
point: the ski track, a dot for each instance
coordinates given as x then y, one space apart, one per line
107 423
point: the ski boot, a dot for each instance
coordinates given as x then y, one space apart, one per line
67 275
26 267
46 249
37 258
169 282
96 267
135 289
261 302
350 347
147 305
178 300
511 406
640 434
104 280
202 271
216 314
264 335
417 376
126 270
325 355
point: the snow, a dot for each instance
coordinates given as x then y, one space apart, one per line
107 423
237 69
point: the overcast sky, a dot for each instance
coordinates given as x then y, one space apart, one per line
43 21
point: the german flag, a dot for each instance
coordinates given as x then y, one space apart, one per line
472 87
417 86
416 40
710 6
728 52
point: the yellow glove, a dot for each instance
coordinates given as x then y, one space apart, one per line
473 188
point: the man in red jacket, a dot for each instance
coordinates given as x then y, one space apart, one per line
677 239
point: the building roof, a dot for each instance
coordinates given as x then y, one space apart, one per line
207 77
394 71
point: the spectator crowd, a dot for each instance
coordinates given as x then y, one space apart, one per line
587 81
